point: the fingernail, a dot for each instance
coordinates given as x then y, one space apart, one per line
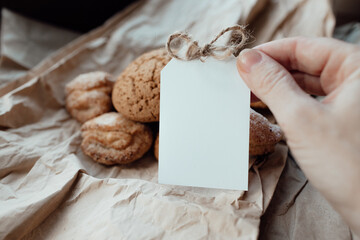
247 59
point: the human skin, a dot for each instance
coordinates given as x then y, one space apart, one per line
323 136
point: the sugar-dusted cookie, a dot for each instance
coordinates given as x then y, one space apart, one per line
89 95
263 135
112 139
136 92
156 147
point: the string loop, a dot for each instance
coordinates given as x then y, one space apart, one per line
239 38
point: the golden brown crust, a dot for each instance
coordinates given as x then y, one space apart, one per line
136 92
112 139
88 95
263 135
156 147
258 104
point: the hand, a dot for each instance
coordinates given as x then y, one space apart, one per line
323 136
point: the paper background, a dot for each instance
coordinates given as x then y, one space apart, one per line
50 190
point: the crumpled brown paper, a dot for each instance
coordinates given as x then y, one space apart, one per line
299 211
50 190
25 42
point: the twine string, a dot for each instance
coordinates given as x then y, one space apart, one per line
239 38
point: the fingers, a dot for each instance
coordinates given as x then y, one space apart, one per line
309 83
274 85
322 57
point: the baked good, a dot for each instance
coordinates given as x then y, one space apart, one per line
263 135
258 104
89 95
156 147
112 139
136 92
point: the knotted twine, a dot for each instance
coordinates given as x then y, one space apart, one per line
239 38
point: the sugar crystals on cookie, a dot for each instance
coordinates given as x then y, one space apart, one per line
89 95
112 139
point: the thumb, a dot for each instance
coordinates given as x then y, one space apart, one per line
275 86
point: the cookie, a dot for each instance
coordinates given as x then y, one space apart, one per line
136 92
156 147
263 135
89 95
258 104
112 139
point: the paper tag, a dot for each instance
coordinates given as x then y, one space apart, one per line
204 125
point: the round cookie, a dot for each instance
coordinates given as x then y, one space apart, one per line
156 147
112 139
136 93
263 135
88 95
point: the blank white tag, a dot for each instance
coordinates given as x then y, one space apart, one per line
204 125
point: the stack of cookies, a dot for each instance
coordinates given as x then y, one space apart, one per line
123 136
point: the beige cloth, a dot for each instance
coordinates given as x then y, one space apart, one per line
50 190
